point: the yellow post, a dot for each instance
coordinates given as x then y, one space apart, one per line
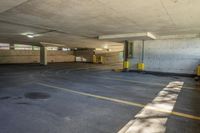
140 66
198 70
126 65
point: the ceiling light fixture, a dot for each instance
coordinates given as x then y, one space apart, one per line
30 36
129 36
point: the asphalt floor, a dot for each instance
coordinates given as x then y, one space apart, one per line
86 98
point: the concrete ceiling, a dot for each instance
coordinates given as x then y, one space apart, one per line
78 23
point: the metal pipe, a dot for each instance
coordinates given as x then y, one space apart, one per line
142 51
126 50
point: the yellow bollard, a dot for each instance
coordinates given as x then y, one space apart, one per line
126 65
198 70
140 66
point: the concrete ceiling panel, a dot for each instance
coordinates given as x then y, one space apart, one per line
85 20
9 4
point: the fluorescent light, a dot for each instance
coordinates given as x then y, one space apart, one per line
129 36
30 36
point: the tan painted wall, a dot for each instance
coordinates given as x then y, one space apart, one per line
110 57
27 56
60 56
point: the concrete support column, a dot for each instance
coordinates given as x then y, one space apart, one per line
126 56
43 55
143 51
126 51
140 55
12 46
60 48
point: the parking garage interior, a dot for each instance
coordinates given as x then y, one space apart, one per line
99 66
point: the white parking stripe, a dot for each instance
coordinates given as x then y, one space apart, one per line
153 121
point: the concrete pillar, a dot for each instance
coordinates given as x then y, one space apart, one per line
143 51
140 55
140 51
12 46
128 54
125 63
126 51
60 48
43 55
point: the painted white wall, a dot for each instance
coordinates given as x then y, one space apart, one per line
173 55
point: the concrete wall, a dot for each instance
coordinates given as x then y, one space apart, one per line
86 54
28 56
60 56
108 57
111 57
174 56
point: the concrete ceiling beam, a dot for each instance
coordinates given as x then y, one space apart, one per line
130 36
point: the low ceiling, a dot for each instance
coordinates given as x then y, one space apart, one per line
78 23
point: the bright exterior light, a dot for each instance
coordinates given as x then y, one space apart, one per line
105 47
99 49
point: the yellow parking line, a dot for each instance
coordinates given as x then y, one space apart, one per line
186 115
122 102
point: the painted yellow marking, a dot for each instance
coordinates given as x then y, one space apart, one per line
162 105
122 102
95 96
186 115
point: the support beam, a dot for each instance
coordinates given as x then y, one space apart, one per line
130 36
60 48
143 51
126 51
43 55
126 56
12 46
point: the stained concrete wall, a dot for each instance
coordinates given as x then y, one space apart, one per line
174 56
111 57
86 54
60 56
28 56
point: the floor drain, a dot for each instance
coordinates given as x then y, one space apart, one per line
37 95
